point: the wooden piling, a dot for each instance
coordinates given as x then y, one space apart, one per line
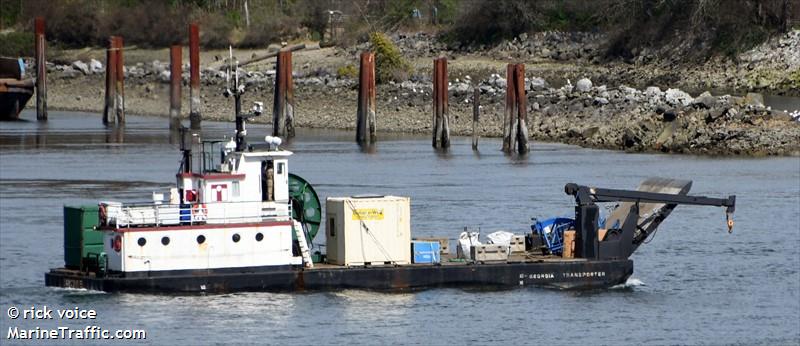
445 104
40 47
194 76
111 76
441 121
476 108
522 110
175 87
515 130
283 110
289 107
509 113
435 108
365 116
119 81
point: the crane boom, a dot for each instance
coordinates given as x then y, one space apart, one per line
623 241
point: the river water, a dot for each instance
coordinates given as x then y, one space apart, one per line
693 284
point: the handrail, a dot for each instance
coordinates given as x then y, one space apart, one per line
132 215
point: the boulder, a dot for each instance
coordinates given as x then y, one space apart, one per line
69 73
653 94
584 85
602 101
705 100
677 97
81 66
538 83
754 99
164 76
95 66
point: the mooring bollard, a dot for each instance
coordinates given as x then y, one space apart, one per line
194 76
40 47
441 121
476 109
175 87
365 116
111 76
283 109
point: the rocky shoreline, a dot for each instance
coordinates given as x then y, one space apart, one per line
584 111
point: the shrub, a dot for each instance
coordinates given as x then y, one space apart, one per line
348 71
389 64
16 44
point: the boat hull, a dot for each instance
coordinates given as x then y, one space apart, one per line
13 101
575 274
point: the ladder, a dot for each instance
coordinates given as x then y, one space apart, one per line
301 240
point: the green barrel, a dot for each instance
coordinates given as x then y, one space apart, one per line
81 240
305 205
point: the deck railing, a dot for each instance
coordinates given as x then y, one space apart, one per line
127 215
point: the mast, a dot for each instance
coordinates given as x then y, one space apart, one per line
237 91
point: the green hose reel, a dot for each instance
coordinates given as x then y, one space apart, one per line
306 207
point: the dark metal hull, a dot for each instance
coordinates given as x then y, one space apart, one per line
12 102
574 274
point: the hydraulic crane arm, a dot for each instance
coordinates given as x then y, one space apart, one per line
585 195
622 242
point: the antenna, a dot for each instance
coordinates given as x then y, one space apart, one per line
237 91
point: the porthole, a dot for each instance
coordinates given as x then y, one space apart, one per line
141 241
201 239
236 238
165 241
259 236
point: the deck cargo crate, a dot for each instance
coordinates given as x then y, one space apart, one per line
517 244
489 252
426 252
444 244
80 237
368 230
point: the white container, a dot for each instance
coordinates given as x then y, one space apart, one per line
369 230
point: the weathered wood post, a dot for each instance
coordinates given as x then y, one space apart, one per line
175 87
289 106
283 110
436 103
365 115
194 76
509 112
445 105
119 81
41 69
522 110
441 123
476 109
111 76
278 99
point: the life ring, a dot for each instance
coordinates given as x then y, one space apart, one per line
199 212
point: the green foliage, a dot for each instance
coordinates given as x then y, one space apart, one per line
16 44
9 13
730 41
399 11
389 63
316 19
448 10
234 17
347 71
